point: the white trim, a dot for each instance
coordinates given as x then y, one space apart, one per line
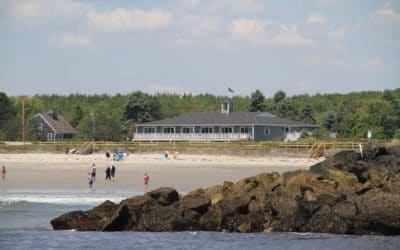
191 137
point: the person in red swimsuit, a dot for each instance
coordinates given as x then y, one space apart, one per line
146 179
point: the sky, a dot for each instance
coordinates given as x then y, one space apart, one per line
198 46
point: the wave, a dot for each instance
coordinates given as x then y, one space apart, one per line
62 199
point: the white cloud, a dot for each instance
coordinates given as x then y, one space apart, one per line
192 4
235 6
71 40
387 15
249 30
290 36
123 20
40 10
166 88
198 27
239 6
337 34
316 18
262 32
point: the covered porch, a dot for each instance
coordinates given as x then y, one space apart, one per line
191 136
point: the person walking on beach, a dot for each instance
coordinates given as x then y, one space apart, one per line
90 181
146 179
3 173
108 173
93 173
112 172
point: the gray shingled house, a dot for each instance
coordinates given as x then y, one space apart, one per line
222 126
53 126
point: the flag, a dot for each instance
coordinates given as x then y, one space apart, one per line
230 90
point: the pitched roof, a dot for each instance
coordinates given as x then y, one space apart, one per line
56 122
234 118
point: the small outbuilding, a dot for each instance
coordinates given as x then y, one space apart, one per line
53 126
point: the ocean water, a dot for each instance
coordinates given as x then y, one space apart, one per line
25 224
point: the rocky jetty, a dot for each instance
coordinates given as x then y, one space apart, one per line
348 193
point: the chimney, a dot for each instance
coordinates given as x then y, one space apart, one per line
227 106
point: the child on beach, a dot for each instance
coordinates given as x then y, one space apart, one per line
146 179
3 174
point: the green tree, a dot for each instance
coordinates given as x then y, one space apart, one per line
329 122
395 104
77 116
320 133
8 121
7 110
306 114
257 101
142 107
397 134
287 109
279 96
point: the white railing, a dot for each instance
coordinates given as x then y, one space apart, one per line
191 137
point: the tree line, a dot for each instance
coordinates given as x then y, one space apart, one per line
350 115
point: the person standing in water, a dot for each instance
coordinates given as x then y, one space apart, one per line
93 173
146 179
3 173
90 182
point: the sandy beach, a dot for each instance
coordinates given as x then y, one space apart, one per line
185 172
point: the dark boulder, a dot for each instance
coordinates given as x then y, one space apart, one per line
195 201
164 196
378 212
393 148
373 149
92 220
119 221
326 221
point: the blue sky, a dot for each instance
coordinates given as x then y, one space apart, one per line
96 47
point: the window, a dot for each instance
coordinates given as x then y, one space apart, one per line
187 130
226 130
149 130
40 128
267 131
206 130
244 130
168 130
